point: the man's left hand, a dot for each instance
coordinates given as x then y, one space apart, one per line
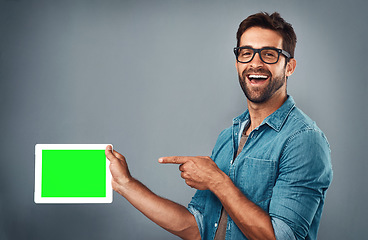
200 172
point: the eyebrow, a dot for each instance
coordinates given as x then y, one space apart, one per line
258 48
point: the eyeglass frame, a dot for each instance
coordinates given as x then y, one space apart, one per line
258 50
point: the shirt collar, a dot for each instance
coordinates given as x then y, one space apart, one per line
276 120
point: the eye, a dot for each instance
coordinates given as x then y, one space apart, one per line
269 53
246 53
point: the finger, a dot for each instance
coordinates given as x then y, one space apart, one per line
190 183
174 160
181 168
115 153
110 156
185 175
118 155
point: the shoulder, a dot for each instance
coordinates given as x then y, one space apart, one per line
298 125
226 133
223 138
306 147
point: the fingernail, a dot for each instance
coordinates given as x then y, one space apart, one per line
160 160
109 147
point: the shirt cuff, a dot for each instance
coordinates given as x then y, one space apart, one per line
282 230
198 217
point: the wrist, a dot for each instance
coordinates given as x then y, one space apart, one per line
123 187
221 182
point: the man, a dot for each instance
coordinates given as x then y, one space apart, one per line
268 173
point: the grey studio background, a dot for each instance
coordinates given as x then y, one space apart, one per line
157 78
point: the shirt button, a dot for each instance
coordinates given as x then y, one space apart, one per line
215 225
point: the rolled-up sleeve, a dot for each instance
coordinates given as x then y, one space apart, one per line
282 230
305 173
198 217
196 207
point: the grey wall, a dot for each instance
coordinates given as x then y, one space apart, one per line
157 78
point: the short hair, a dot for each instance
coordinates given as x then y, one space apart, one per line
273 22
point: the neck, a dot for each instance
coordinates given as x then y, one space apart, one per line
259 111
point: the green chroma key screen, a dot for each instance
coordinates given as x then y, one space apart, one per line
73 173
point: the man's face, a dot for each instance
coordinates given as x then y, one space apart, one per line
261 81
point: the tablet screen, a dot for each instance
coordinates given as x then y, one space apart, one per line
72 173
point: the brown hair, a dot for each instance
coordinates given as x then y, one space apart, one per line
273 22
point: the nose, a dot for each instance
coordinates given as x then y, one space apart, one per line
256 61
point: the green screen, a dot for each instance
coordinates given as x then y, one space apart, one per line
73 173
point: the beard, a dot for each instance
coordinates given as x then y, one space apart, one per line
263 93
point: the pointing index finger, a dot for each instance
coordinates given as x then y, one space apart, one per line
173 160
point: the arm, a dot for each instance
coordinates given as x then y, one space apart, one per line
305 174
202 173
171 216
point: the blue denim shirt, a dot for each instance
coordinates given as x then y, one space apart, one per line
284 168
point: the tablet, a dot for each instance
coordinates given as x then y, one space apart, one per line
72 173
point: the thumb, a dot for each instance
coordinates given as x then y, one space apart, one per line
109 154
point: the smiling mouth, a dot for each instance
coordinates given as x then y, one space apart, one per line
257 78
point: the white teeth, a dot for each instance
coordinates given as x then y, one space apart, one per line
258 76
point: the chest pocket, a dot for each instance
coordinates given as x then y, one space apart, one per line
256 178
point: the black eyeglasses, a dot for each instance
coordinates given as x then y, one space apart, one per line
268 55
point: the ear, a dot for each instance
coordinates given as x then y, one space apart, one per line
290 67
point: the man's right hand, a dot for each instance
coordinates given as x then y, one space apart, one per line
118 168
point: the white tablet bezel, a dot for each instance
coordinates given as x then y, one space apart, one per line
38 175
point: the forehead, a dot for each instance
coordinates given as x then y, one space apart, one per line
257 37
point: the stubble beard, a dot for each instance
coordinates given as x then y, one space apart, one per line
261 94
